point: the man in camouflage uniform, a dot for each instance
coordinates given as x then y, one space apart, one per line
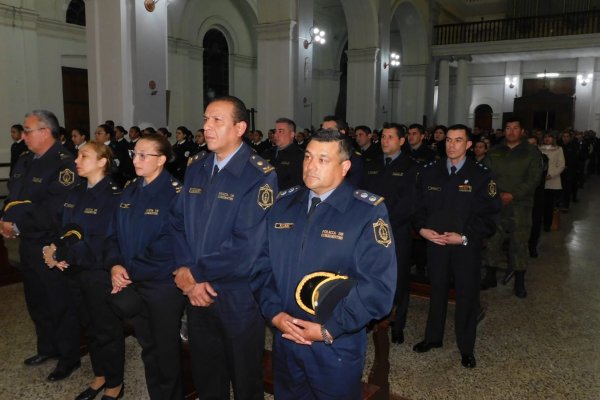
518 167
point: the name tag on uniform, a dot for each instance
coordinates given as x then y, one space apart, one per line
329 234
283 225
69 205
90 211
285 163
125 205
397 173
36 180
151 211
225 196
465 188
194 190
434 188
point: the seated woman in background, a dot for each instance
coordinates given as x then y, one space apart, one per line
79 253
140 256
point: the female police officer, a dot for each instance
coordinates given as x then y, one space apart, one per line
79 254
141 260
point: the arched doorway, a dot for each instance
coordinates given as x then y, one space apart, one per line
483 117
216 65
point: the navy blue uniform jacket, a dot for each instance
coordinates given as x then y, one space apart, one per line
91 210
38 189
140 238
466 203
348 233
219 224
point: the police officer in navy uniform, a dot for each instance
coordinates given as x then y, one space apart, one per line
324 226
38 188
356 175
78 251
183 149
286 156
140 255
219 224
416 147
18 146
457 208
393 176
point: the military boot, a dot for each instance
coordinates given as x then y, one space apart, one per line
520 291
489 281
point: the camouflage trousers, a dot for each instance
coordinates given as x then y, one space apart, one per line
509 245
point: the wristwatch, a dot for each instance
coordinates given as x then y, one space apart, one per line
465 241
326 336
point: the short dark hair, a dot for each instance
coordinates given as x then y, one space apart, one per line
461 127
400 131
442 127
83 132
288 121
47 118
121 129
418 127
136 128
18 127
108 129
240 112
331 135
513 118
363 128
339 123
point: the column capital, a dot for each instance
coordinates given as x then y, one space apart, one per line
282 30
361 55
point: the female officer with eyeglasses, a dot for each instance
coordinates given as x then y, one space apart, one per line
141 262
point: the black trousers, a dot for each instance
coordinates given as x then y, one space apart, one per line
103 329
157 331
550 198
464 263
403 243
50 305
537 215
227 341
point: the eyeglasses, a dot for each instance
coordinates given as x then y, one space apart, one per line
142 156
28 131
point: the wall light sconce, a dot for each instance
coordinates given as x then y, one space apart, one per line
511 82
394 61
584 80
150 5
316 35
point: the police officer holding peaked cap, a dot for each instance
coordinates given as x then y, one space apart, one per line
328 224
38 188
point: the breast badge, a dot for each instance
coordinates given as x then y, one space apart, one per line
66 177
492 190
382 233
265 196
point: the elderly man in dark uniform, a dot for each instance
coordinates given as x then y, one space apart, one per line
286 156
324 227
392 175
219 223
38 188
457 205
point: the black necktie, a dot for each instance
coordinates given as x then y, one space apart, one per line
388 161
313 204
452 170
215 172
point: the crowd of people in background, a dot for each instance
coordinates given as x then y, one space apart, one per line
450 193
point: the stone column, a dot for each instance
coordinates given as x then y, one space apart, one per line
127 65
461 105
585 107
363 101
443 92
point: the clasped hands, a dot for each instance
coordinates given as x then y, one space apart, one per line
441 239
200 294
297 330
49 253
8 229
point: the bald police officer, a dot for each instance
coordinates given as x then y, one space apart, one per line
327 226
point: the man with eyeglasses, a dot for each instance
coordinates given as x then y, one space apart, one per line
38 188
457 207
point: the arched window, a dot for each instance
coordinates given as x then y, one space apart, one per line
76 12
216 65
483 117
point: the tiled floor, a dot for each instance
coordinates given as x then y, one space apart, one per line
546 346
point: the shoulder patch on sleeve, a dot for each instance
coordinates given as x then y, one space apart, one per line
261 164
368 197
197 157
288 192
